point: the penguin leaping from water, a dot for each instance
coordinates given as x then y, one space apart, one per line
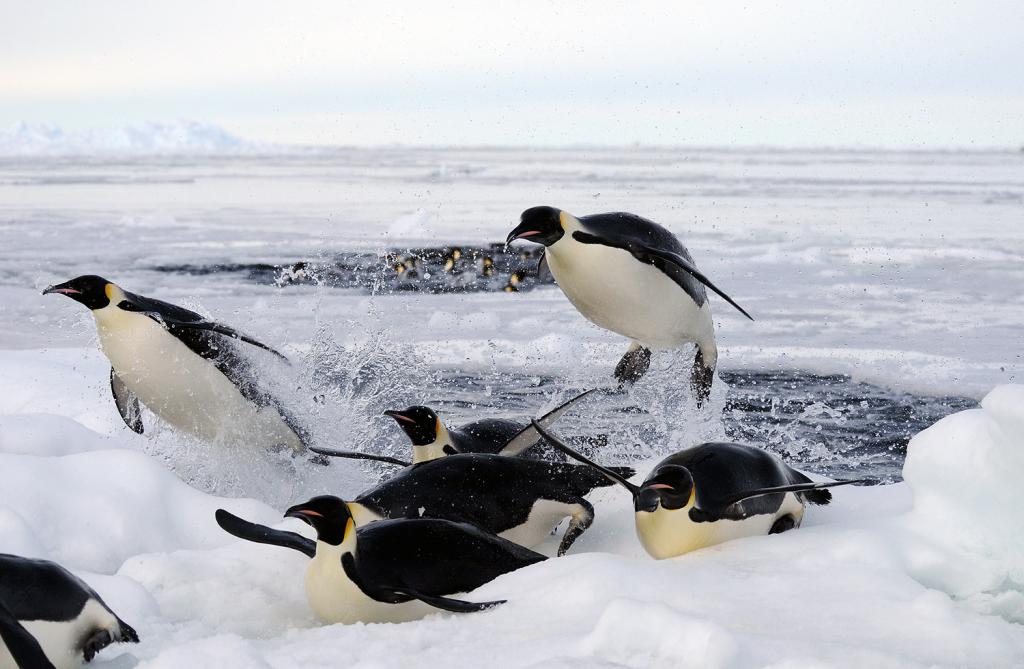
51 618
432 439
631 276
186 369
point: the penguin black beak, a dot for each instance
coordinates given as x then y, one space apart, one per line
305 515
521 232
399 416
63 290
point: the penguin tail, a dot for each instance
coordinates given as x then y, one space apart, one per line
596 479
128 633
821 497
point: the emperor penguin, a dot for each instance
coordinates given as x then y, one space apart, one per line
432 439
186 369
388 571
520 499
51 618
631 276
711 493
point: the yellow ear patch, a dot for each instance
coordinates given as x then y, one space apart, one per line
109 291
349 525
561 218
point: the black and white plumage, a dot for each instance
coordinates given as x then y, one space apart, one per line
713 492
631 276
519 499
388 571
188 370
63 616
432 439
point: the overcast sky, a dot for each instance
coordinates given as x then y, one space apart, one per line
859 72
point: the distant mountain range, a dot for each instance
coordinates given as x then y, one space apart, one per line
153 138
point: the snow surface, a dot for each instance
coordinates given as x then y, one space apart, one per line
918 574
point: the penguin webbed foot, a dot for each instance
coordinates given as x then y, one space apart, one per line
701 378
99 640
633 365
577 526
782 525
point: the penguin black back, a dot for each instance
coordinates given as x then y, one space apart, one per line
491 491
435 557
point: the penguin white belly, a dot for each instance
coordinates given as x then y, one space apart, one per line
334 598
544 517
183 388
62 641
667 533
616 291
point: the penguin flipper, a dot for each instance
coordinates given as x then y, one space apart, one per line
22 646
127 403
543 271
261 534
172 316
356 455
795 487
529 436
449 604
660 259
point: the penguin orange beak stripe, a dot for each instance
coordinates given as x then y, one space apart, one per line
659 486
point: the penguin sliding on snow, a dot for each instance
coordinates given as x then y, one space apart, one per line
57 614
432 439
519 499
186 369
374 573
631 276
712 493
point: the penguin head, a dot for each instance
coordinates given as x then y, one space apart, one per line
669 486
89 289
542 225
326 514
419 422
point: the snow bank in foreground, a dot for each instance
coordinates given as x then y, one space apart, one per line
870 580
151 138
966 473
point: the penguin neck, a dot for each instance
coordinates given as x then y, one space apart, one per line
334 552
111 316
434 449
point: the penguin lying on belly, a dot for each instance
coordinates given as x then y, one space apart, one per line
46 610
712 493
374 573
520 499
432 439
629 275
186 369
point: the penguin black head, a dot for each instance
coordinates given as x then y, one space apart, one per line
419 422
90 290
669 486
542 225
326 514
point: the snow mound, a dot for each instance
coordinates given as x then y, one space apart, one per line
965 472
151 138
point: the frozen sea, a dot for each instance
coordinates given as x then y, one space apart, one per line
886 288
